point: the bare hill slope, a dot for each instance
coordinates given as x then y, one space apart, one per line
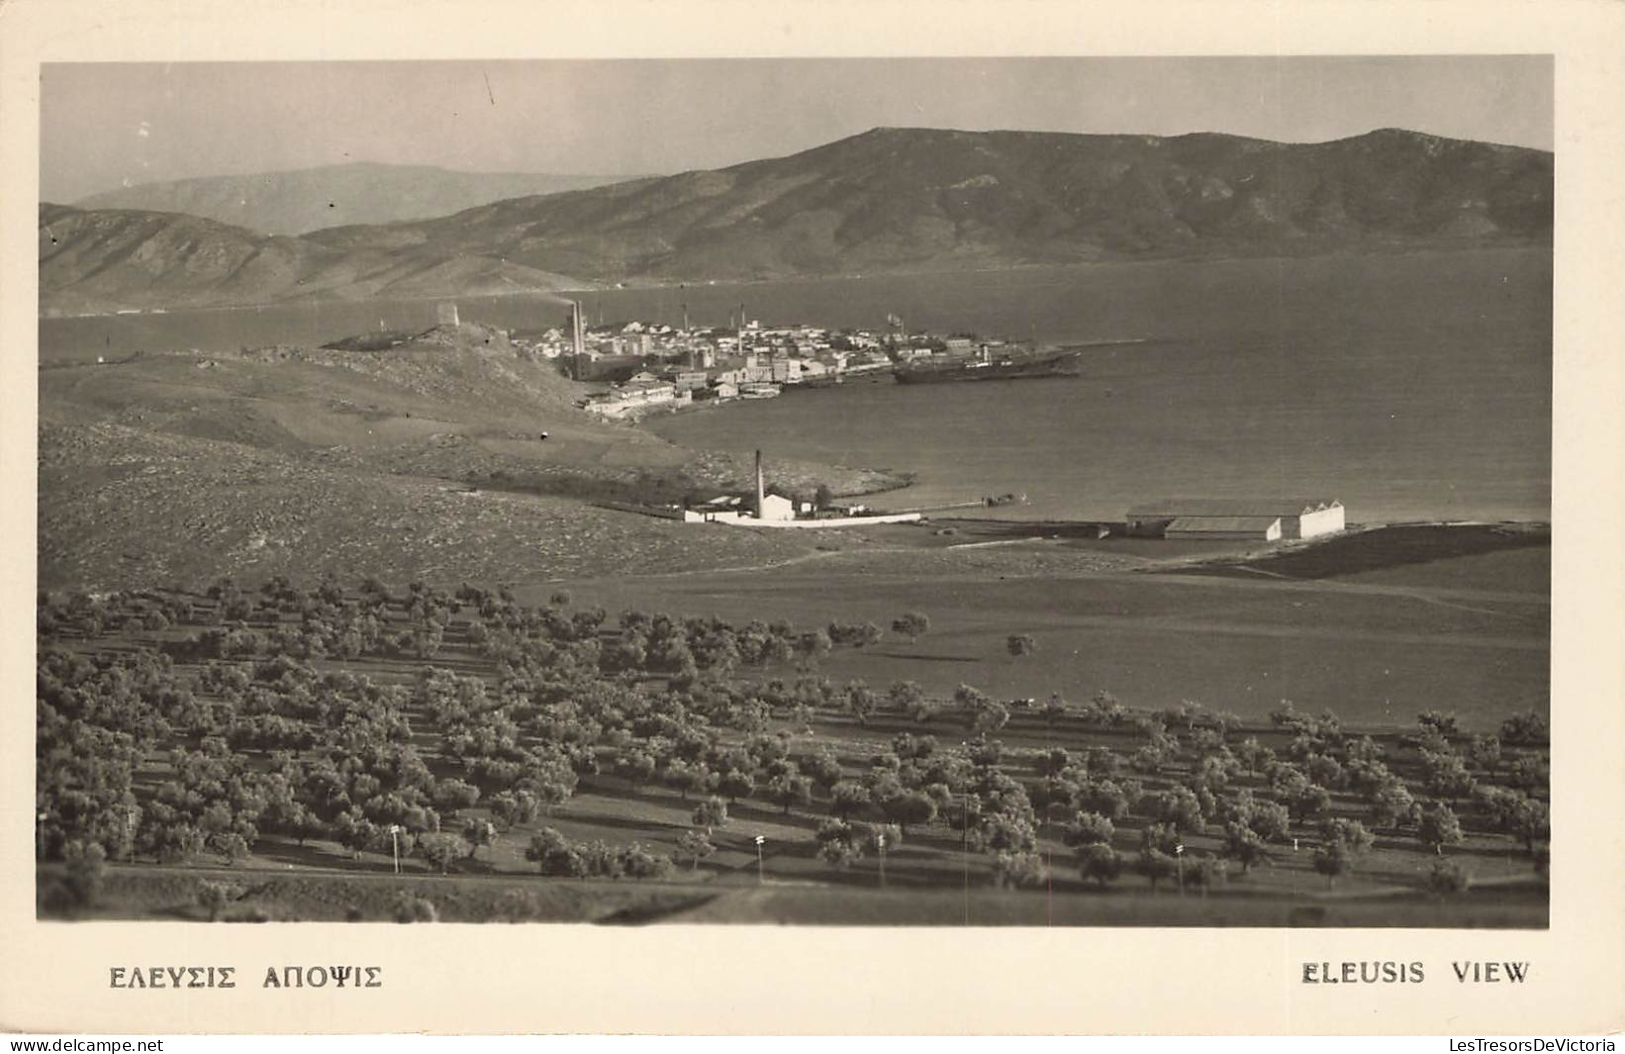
106 260
921 199
305 199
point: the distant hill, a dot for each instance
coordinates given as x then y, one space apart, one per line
306 199
111 259
889 200
900 199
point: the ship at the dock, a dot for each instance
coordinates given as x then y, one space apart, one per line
1010 362
990 364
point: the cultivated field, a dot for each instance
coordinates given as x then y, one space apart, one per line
269 751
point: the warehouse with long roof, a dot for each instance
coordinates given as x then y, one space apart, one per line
1251 519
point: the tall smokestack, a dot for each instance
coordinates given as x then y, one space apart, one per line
576 341
761 486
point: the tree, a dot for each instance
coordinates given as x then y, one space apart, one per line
1393 806
848 797
1485 752
904 696
440 849
1020 644
912 624
695 845
1343 842
637 766
824 767
1089 828
1526 729
1530 774
452 794
1270 820
478 832
1254 755
512 808
813 646
1099 862
860 701
736 784
823 497
1333 860
1243 845
913 807
986 715
544 844
1155 865
1018 868
1054 709
636 861
790 789
231 846
1439 827
1531 823
1178 808
688 778
1446 775
839 843
1443 724
711 813
1302 797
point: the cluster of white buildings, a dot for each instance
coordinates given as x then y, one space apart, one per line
656 366
763 509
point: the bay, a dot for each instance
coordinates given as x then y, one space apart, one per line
1409 386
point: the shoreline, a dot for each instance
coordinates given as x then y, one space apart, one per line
608 286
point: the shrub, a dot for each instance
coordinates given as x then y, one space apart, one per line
1447 877
410 908
85 866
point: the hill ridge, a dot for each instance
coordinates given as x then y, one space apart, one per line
888 200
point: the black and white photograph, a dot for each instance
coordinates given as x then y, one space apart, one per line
882 492
604 519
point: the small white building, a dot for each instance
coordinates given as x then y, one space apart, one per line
775 507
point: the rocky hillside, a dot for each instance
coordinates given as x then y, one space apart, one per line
107 260
901 199
889 200
306 199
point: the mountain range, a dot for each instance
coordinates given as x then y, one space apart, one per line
889 200
110 259
308 199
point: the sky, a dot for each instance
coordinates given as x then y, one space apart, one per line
104 125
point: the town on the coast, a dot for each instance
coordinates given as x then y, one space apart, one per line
649 366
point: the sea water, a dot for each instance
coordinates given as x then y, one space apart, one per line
1408 386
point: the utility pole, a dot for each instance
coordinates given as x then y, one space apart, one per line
395 845
759 877
1179 866
880 843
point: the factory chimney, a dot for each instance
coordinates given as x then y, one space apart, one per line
578 346
761 486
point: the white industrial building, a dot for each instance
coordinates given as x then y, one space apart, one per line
1258 519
